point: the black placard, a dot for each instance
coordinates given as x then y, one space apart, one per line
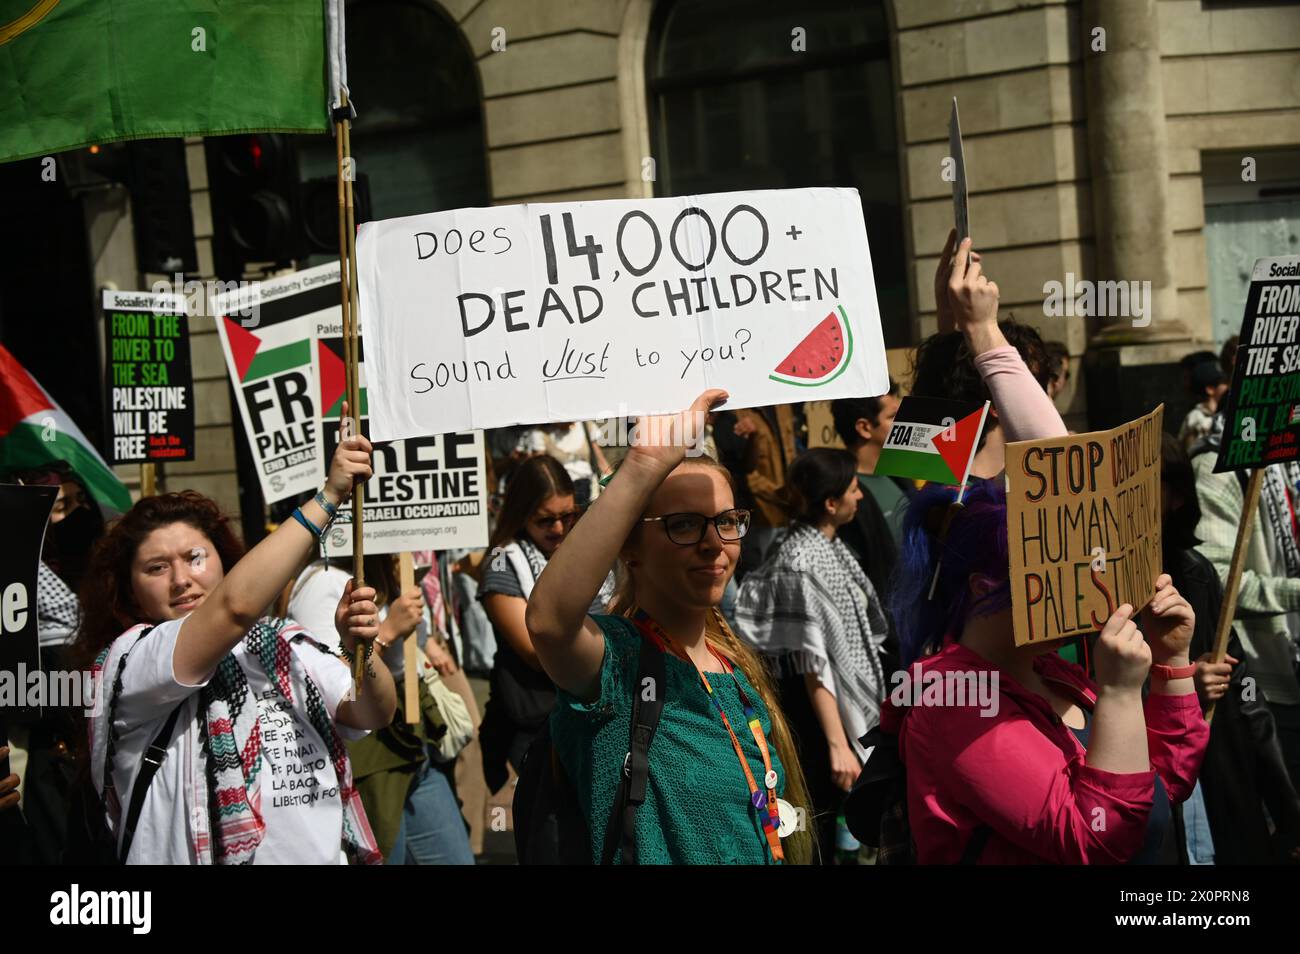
1262 412
150 400
24 511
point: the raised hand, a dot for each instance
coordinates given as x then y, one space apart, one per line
1122 658
662 440
974 301
1170 622
405 613
351 465
357 616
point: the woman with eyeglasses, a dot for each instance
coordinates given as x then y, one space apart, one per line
812 610
536 515
724 781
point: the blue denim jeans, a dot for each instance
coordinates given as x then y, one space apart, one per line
432 830
1196 828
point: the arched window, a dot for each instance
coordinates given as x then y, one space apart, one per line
418 136
741 99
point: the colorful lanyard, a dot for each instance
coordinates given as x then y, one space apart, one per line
764 802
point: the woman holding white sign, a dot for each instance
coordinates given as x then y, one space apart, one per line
724 783
239 709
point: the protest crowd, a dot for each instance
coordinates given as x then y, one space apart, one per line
872 602
773 595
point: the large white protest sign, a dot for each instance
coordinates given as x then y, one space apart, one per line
269 359
576 311
427 493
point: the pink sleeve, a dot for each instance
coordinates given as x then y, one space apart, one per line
1019 783
1176 739
1025 410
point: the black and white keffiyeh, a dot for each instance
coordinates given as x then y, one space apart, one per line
811 603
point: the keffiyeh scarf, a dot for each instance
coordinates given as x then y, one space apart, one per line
230 738
528 563
810 603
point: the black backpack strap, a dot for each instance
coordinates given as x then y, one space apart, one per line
621 828
975 847
153 757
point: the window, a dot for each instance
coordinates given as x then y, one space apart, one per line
418 136
1246 220
734 106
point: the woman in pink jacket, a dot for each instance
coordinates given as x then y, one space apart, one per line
1048 766
1042 765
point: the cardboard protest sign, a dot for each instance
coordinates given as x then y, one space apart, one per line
1262 412
932 439
150 383
960 195
821 425
25 511
427 493
588 310
1083 527
266 333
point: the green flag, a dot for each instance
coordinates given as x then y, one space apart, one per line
78 72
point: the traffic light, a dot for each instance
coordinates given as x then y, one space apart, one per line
320 211
254 192
160 207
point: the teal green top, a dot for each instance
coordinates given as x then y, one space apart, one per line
890 498
697 809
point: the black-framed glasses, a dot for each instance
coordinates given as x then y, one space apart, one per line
687 529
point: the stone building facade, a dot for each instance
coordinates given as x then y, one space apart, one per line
1097 159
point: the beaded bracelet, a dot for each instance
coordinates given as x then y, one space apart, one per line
351 658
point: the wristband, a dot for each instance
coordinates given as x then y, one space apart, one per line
314 530
329 508
1173 672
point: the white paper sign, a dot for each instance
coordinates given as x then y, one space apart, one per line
426 493
529 314
268 355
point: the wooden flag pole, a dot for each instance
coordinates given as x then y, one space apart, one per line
354 380
410 648
148 481
347 248
1229 608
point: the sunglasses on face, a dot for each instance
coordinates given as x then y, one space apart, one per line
687 529
567 520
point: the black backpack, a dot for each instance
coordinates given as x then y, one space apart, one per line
89 839
876 808
550 827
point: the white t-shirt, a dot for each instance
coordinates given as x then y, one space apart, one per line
316 596
175 808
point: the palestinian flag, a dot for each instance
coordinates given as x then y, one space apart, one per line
78 72
331 372
932 439
253 358
34 431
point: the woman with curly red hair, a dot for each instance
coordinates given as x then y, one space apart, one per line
247 710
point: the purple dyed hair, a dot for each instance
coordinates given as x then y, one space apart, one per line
976 542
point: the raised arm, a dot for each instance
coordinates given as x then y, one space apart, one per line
1024 409
253 583
570 646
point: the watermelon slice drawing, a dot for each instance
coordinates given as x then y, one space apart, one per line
822 356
